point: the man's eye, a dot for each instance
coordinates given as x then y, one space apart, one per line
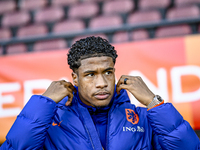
108 72
90 75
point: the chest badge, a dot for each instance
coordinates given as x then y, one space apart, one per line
131 116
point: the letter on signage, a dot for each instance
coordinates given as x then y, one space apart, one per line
8 87
178 95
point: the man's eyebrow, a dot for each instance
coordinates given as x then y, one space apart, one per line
89 71
92 71
110 68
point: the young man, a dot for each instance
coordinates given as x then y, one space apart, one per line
96 114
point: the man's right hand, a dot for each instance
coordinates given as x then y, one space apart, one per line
60 89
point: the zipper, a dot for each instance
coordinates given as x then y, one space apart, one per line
89 137
85 125
107 136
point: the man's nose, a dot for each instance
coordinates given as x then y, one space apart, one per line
101 82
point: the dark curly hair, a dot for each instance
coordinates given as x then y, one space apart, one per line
89 47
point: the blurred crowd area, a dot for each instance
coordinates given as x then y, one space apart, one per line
39 25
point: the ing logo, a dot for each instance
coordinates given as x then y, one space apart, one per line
131 116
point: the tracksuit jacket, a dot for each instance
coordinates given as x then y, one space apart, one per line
43 124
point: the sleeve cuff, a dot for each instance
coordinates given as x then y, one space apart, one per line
156 105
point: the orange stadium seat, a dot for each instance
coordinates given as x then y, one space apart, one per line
83 10
69 26
15 19
5 34
187 12
16 49
121 36
31 5
64 2
141 17
176 30
119 6
32 30
50 45
50 14
186 2
7 6
140 34
153 4
105 21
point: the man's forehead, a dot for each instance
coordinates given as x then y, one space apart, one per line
94 62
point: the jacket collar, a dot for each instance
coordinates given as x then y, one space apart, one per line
116 100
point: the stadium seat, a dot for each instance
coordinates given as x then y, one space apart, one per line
140 34
153 4
16 49
50 14
5 34
15 19
83 10
32 30
176 30
31 5
179 3
69 26
7 6
118 6
121 36
187 12
141 17
50 45
64 2
105 21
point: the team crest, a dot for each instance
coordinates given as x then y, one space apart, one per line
131 116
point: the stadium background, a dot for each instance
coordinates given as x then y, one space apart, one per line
32 29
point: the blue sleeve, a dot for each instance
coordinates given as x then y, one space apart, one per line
30 128
171 130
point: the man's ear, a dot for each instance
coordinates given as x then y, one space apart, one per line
75 78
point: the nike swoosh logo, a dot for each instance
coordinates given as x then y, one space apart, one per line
55 124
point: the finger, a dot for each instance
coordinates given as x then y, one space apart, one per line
120 81
69 101
69 86
118 89
122 86
62 81
72 88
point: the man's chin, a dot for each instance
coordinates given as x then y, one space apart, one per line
102 103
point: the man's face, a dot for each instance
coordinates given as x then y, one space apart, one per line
95 79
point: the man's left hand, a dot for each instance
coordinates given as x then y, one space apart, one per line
136 86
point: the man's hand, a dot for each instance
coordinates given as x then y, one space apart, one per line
60 89
136 86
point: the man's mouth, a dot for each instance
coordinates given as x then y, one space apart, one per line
102 95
